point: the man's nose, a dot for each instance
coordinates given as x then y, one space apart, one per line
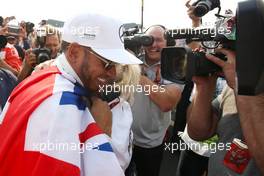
53 49
155 43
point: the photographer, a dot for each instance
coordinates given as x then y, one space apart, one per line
14 54
49 41
152 110
10 60
49 37
221 117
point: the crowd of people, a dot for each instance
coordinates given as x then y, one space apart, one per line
57 119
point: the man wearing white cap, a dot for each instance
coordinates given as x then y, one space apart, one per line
45 127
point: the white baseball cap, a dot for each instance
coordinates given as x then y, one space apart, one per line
101 34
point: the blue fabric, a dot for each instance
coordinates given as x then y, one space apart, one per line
7 83
75 97
104 147
69 98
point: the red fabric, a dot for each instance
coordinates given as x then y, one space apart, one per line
14 160
90 131
12 58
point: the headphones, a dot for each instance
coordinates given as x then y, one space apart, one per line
170 41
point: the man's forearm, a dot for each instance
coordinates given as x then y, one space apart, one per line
4 65
25 72
165 97
201 124
251 114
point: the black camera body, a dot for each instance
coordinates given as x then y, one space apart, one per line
42 54
202 7
133 39
189 63
183 64
242 33
138 40
250 57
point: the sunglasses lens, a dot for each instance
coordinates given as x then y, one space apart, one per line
109 66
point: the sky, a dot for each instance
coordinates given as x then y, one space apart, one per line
171 13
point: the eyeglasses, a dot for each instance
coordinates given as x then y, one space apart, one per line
108 64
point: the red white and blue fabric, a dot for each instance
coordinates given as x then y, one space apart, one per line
44 118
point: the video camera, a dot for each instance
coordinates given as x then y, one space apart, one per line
42 54
202 7
133 40
235 33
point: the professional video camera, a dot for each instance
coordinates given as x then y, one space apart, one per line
202 7
242 33
42 54
133 40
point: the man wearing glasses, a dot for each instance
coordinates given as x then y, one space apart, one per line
46 127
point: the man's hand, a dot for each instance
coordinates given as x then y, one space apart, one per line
102 115
228 67
28 65
3 30
196 21
22 32
30 60
203 81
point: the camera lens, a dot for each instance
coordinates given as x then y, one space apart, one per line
43 57
201 10
202 7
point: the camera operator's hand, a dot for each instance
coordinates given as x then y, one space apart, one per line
202 81
22 32
29 63
157 78
102 115
196 21
30 59
143 69
3 30
158 75
228 67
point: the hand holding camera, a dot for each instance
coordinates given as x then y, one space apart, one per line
228 67
30 60
195 20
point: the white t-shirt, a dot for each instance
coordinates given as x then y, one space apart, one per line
122 135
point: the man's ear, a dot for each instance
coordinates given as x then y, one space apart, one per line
73 52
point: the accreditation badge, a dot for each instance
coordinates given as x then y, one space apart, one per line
237 157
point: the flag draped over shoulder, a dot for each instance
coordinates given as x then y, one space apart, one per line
46 130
